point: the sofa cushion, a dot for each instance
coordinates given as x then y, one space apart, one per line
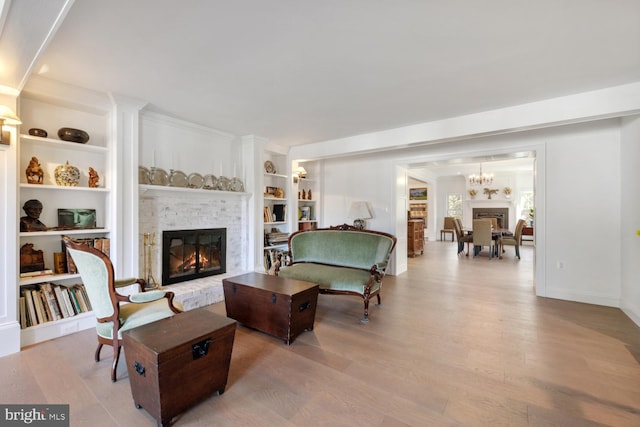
330 277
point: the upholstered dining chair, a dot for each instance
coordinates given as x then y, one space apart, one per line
482 236
447 227
462 239
116 313
494 222
513 240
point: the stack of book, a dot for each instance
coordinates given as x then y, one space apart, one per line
276 238
48 302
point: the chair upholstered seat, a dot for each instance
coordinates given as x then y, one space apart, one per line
133 315
114 312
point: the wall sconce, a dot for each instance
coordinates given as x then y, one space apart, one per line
360 211
300 173
7 117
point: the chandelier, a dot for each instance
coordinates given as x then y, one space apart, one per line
481 179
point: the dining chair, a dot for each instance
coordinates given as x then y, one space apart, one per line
462 239
513 240
482 236
116 313
447 227
494 222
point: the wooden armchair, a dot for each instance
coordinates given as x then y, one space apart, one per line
113 318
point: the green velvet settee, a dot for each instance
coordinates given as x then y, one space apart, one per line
341 260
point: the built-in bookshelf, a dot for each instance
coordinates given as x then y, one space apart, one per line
76 200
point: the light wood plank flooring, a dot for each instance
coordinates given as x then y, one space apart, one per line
457 341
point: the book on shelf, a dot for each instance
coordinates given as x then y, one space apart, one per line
59 297
280 212
44 272
37 301
52 302
32 319
23 312
67 301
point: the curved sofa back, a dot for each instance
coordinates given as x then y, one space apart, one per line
356 249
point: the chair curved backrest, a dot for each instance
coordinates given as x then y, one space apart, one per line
457 228
448 223
518 232
96 271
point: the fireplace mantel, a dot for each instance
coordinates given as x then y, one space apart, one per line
155 190
484 202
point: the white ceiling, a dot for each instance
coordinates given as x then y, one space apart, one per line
299 71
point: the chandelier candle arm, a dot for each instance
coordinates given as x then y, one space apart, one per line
481 179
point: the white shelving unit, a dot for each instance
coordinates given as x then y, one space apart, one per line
275 225
45 112
308 197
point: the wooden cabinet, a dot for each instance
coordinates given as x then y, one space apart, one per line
415 238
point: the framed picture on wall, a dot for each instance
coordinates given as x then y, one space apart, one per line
418 193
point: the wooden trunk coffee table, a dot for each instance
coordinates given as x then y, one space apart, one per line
279 306
176 362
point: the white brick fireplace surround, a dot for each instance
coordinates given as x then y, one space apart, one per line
163 209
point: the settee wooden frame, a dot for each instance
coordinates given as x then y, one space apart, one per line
376 271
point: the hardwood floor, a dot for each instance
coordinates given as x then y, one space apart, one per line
457 341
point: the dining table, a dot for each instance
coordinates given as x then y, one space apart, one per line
495 235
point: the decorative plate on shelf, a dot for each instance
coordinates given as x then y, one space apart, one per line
178 179
158 176
143 175
269 167
224 183
210 182
237 185
196 180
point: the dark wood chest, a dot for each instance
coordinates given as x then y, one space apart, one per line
279 306
415 237
175 363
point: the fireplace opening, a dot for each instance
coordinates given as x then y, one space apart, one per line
191 254
502 214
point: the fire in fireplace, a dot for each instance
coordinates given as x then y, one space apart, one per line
191 254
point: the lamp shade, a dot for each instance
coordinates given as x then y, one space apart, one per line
8 117
360 210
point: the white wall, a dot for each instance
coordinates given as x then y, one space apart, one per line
630 206
582 197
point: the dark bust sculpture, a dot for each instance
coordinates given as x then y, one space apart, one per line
31 222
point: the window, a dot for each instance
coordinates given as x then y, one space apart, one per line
454 205
526 201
